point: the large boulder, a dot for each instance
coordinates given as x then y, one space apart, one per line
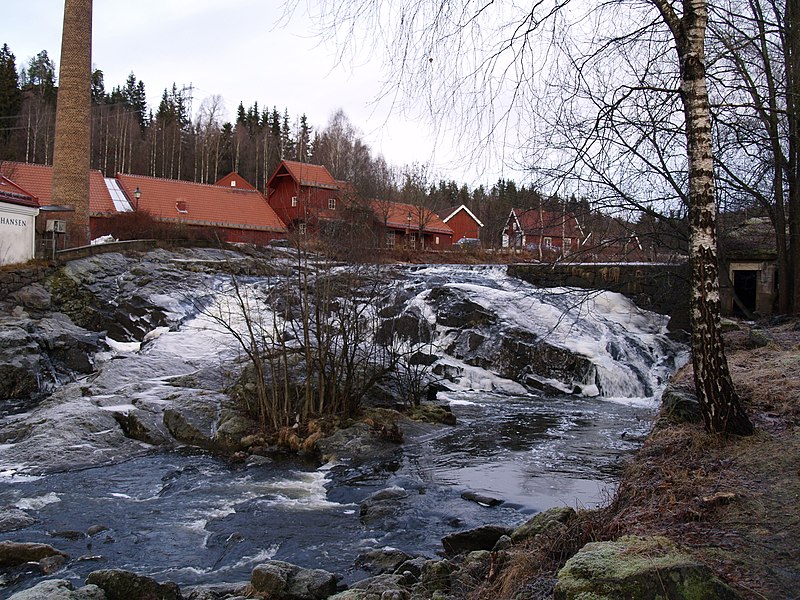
479 538
645 568
124 585
59 589
20 362
280 580
19 553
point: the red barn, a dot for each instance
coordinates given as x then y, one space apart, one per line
462 221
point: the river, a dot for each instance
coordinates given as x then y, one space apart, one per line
193 518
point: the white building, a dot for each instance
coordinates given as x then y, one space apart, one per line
18 212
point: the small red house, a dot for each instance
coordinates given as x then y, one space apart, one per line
303 194
552 235
462 221
410 226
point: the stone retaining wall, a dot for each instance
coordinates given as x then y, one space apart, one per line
13 280
662 288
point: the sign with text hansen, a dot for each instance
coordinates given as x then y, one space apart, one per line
17 233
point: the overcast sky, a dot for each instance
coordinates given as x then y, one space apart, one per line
236 49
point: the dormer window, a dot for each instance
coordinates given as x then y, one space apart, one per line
181 207
331 203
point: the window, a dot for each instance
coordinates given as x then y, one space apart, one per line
390 239
294 200
233 183
301 228
567 245
332 203
436 239
413 239
548 242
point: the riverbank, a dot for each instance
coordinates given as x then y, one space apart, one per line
730 504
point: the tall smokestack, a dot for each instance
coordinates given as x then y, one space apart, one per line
71 156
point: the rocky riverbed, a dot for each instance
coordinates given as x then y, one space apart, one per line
110 362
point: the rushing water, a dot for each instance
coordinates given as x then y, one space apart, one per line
193 518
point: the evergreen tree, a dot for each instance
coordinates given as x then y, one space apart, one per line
98 88
41 76
10 94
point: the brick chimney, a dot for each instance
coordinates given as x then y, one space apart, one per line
71 155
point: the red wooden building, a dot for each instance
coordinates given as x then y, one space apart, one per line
302 195
462 221
410 226
235 213
552 235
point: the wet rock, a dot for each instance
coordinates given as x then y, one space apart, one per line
12 519
19 363
385 560
284 581
479 538
95 529
51 564
381 587
542 522
59 589
357 444
124 585
228 591
18 553
33 296
68 535
481 499
145 426
648 568
382 504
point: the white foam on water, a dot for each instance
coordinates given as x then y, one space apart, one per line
38 502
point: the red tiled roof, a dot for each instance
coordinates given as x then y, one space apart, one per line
234 180
38 181
547 222
11 193
397 213
307 175
202 204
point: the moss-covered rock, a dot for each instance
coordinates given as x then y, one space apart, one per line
432 413
645 568
543 522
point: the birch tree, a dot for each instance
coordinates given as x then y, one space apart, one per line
609 96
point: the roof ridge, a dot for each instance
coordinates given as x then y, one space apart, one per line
211 185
